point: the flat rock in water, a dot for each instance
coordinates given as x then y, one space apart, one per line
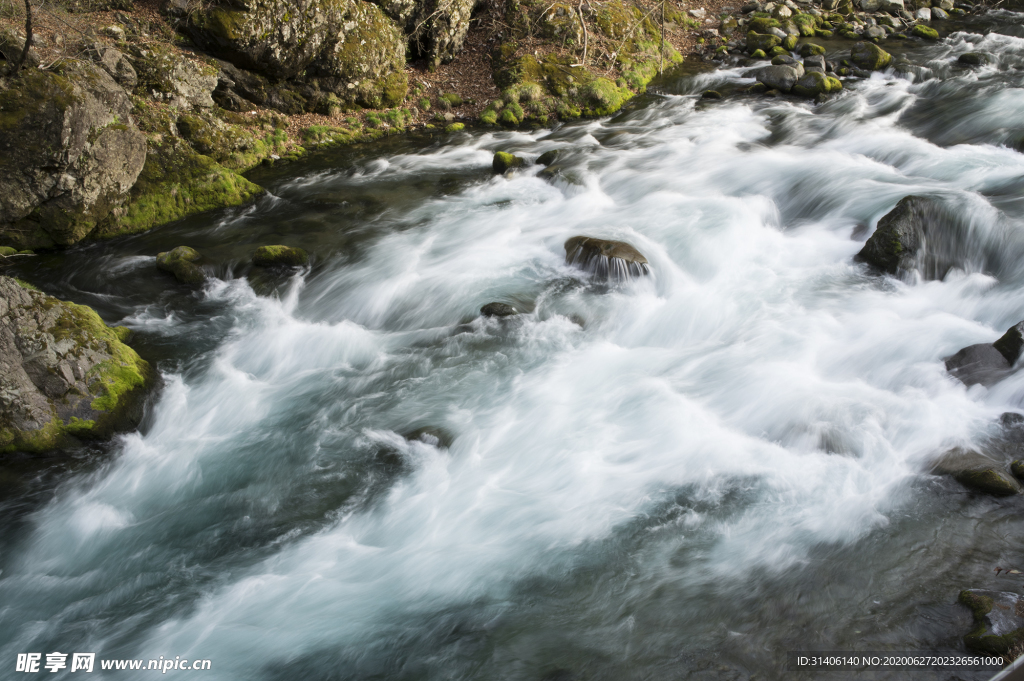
287 256
998 620
988 363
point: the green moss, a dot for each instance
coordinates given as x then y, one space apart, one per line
7 250
451 99
394 88
762 24
267 256
25 284
979 639
489 117
926 32
504 161
455 127
177 182
758 54
181 262
424 103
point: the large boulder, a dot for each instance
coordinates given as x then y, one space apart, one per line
998 620
896 244
988 363
605 259
345 45
781 77
114 63
437 30
63 372
169 76
869 56
69 153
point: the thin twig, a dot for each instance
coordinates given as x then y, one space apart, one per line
583 22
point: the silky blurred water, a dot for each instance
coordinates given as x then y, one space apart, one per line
682 476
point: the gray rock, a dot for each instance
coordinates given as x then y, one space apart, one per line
69 153
171 77
62 372
870 5
923 14
781 78
115 63
892 6
980 363
917 234
778 33
977 472
875 32
939 14
815 62
870 56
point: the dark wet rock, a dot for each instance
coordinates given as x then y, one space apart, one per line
498 310
182 263
504 161
973 59
437 437
870 57
998 620
987 363
69 154
781 78
63 372
1017 468
1011 420
549 157
605 259
785 60
896 244
976 472
287 256
980 363
711 94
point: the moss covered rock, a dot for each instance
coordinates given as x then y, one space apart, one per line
69 153
988 481
504 161
169 76
815 83
182 263
761 41
177 182
288 256
998 621
63 372
870 57
809 49
926 32
895 243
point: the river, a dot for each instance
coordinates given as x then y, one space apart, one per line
683 476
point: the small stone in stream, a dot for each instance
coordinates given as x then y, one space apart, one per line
268 256
761 41
498 310
711 94
973 59
504 161
548 157
777 51
756 89
750 7
874 32
807 49
790 43
455 127
6 251
926 32
784 60
998 620
870 57
758 54
779 77
923 14
181 262
939 14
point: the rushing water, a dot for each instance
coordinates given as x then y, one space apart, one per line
682 476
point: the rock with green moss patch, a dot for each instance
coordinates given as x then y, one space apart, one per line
455 127
287 256
926 32
809 49
758 54
870 57
6 251
988 481
63 373
182 262
504 161
761 41
169 76
998 620
895 243
782 77
815 83
548 157
69 153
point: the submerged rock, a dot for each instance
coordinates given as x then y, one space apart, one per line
815 83
998 620
504 161
431 435
977 473
181 262
549 157
782 77
900 235
69 154
268 256
63 372
498 310
973 59
988 363
605 259
870 57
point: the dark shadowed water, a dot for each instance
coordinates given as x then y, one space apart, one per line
725 462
